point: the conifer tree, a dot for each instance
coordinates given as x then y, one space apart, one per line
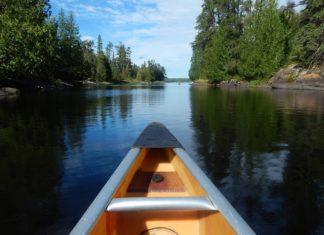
309 41
205 26
70 54
103 69
262 43
27 40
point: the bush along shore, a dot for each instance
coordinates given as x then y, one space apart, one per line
292 77
257 43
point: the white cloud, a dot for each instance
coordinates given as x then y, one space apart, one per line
155 29
168 38
87 38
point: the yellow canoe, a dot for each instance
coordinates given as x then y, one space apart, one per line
158 189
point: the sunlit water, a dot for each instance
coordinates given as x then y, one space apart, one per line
263 149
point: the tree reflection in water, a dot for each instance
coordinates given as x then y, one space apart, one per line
263 149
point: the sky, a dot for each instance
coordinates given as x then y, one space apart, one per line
162 30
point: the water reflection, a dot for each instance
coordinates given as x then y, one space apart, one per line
264 149
31 144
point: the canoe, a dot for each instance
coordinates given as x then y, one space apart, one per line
158 189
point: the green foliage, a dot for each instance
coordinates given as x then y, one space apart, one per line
309 49
262 43
151 71
34 46
99 46
215 49
290 21
89 57
205 26
241 39
103 70
27 39
215 58
70 55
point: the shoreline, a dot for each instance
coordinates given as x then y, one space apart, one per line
289 78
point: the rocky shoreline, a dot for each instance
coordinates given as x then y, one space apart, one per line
291 77
294 77
8 91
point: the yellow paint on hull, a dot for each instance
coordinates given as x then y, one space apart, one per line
178 182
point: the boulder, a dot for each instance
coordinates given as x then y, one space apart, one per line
8 91
294 77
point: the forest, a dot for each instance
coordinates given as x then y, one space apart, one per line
252 40
37 48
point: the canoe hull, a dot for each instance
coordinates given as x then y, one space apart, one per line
160 190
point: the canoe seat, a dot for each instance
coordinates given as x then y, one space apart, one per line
161 203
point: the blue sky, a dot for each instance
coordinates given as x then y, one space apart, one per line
154 29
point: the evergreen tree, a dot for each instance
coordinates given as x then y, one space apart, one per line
99 45
27 40
70 52
35 46
205 26
123 60
103 69
109 51
309 49
151 71
219 25
262 43
89 59
215 58
290 21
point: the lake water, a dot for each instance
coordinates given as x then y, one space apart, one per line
264 149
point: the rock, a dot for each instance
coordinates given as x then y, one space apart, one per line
232 84
312 76
8 91
293 77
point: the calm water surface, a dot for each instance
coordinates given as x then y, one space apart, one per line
263 149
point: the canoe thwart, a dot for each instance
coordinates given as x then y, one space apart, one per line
161 203
156 135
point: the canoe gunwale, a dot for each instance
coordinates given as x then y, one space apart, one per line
100 203
216 197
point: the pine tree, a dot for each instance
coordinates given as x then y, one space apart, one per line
70 52
89 59
99 45
103 68
290 20
309 41
205 27
218 17
216 57
262 43
109 51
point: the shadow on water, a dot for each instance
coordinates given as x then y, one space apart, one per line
264 149
38 132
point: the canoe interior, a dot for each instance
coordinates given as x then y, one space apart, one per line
177 182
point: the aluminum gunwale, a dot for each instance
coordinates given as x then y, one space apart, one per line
105 195
217 198
161 204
